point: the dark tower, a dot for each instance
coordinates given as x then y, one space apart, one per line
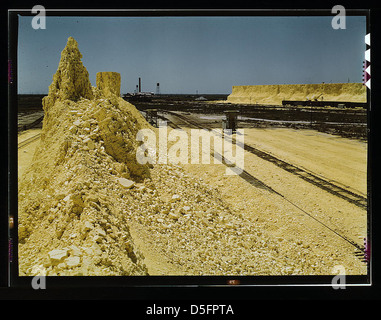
140 85
158 88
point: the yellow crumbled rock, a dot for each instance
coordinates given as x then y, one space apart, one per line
109 83
84 135
71 81
77 216
275 94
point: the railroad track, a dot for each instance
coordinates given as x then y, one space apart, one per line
324 184
24 143
307 176
30 125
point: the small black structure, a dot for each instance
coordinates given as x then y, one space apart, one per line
151 117
231 120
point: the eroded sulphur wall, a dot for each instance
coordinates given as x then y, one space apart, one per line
274 94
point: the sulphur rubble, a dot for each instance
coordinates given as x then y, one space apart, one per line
85 202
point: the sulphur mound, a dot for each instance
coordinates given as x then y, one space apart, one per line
67 195
86 207
275 94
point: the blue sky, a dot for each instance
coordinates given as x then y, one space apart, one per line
189 54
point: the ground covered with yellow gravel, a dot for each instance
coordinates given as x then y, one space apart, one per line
87 207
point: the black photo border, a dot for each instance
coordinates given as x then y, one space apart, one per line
262 283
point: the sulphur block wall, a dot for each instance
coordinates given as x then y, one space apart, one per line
274 94
109 83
